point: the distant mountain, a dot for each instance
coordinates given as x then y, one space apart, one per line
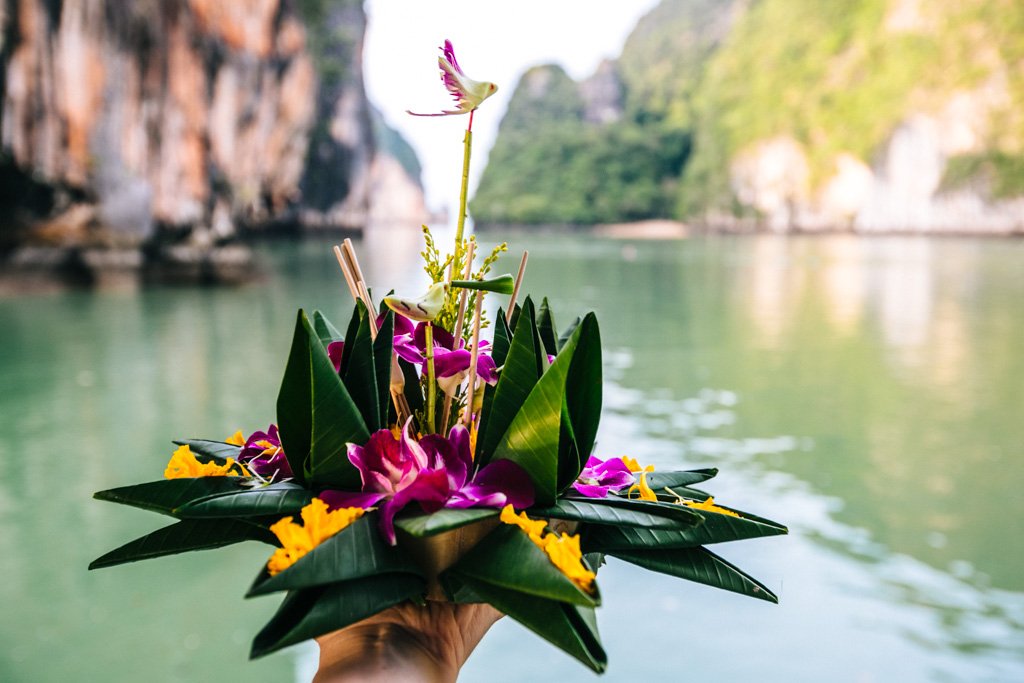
780 114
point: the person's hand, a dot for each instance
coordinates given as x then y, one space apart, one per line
405 643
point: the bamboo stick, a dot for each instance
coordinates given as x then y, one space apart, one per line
515 290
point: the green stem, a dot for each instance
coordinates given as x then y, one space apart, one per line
463 194
431 393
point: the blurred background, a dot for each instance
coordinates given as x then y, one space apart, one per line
799 223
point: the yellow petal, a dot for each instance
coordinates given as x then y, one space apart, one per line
236 439
709 506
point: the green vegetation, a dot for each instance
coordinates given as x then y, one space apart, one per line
836 77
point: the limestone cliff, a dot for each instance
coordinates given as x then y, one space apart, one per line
179 122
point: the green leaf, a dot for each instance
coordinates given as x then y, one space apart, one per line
660 480
275 500
316 415
717 528
184 536
207 451
361 367
517 379
672 509
166 495
502 284
509 559
325 331
546 328
383 348
502 338
313 612
700 565
533 437
445 519
568 332
355 552
583 387
666 517
571 628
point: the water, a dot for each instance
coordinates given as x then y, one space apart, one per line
867 392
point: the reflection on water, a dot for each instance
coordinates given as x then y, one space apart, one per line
865 391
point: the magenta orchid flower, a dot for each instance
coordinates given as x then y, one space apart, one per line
451 365
468 94
263 455
601 476
435 472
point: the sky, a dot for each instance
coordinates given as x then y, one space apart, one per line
493 42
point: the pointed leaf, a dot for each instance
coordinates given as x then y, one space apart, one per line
568 332
275 500
445 519
595 513
532 438
660 480
546 327
211 451
671 509
165 495
312 612
359 369
355 552
502 339
561 624
509 559
517 379
382 351
316 414
184 536
699 565
717 528
583 387
325 331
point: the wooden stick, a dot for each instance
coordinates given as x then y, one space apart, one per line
349 279
515 290
360 283
468 414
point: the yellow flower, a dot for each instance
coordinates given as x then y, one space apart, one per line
317 526
563 550
645 491
708 506
184 464
236 439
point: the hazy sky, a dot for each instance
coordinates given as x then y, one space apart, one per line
493 42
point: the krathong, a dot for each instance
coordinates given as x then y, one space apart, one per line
427 463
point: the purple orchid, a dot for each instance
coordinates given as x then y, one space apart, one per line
451 364
262 454
601 476
435 472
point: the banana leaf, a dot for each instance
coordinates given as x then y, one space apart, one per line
366 366
166 495
717 528
535 432
583 387
313 612
571 628
546 327
211 451
316 415
661 480
275 500
184 536
508 559
325 331
520 374
699 565
445 519
593 512
355 552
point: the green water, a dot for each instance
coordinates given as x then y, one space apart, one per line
867 392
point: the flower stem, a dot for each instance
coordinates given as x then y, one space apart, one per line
431 393
467 142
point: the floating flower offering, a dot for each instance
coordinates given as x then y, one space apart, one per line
410 431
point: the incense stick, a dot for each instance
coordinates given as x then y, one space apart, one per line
468 415
515 290
349 280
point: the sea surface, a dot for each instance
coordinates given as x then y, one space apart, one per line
867 392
